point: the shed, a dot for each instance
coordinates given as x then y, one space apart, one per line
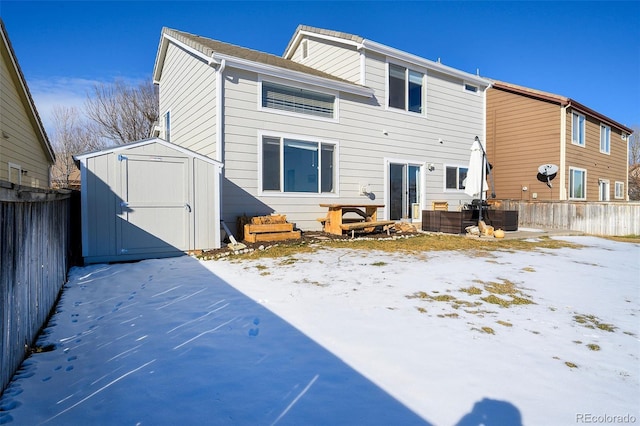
148 199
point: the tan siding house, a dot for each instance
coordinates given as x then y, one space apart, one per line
26 155
527 128
337 119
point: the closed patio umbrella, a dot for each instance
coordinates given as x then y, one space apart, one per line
475 183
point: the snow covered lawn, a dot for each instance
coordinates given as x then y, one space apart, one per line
343 336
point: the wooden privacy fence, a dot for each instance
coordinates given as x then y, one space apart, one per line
34 244
597 218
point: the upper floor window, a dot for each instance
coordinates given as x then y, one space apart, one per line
577 183
405 89
577 129
294 165
455 177
605 139
297 100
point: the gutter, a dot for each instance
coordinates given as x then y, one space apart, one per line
221 65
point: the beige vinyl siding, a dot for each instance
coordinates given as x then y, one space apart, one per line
187 89
453 115
522 134
610 166
22 145
336 59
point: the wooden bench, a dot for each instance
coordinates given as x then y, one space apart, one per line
386 224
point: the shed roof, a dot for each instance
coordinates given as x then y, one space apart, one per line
124 147
30 104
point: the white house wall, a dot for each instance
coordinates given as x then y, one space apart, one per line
330 57
187 90
368 135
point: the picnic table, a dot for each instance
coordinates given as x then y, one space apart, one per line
366 218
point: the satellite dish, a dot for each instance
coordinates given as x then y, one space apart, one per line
546 173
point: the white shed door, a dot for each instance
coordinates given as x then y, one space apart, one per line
155 207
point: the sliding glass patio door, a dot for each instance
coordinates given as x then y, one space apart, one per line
404 190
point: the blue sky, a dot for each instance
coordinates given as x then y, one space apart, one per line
588 51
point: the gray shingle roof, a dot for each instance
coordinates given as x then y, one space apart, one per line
337 34
209 46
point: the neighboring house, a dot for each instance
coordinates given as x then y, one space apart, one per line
26 156
337 119
527 128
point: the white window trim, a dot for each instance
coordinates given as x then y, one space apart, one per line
406 111
465 90
573 131
335 94
16 167
608 151
306 138
571 169
607 196
422 193
615 190
444 177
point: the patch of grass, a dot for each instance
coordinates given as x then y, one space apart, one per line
528 269
570 364
473 290
421 309
593 322
261 267
443 298
451 315
504 323
379 263
593 347
625 238
577 342
487 330
515 300
417 244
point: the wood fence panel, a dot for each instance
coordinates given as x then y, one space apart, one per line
34 245
597 218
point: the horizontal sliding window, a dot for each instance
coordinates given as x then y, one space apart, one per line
296 100
455 177
292 165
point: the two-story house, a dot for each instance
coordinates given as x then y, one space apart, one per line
528 128
337 118
26 156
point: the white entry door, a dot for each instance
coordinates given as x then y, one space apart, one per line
154 205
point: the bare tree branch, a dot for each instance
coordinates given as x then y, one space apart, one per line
123 113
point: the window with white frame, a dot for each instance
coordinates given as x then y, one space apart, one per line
619 190
297 100
455 177
471 88
298 166
167 126
577 129
405 89
605 139
577 183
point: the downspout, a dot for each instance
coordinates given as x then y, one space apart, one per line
219 108
562 196
363 61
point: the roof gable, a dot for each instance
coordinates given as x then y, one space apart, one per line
363 44
215 51
127 146
562 101
23 89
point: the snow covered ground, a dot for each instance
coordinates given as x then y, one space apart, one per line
342 336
